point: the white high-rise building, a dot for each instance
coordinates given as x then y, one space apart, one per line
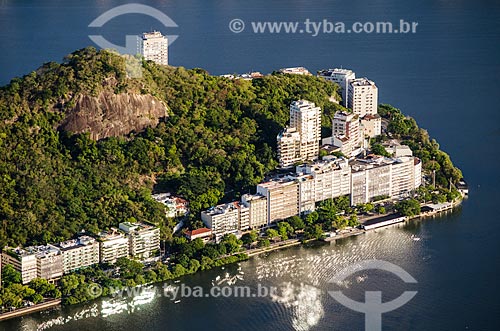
35 262
363 97
306 118
331 177
222 219
341 77
154 47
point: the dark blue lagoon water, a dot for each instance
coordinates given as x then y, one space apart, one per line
447 76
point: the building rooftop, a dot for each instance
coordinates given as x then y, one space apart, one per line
75 243
373 161
295 70
369 117
279 181
303 104
335 71
196 232
251 197
128 227
362 82
152 35
38 251
222 209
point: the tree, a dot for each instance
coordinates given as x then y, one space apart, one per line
272 234
284 230
10 275
379 150
296 222
380 209
263 242
410 207
249 237
314 232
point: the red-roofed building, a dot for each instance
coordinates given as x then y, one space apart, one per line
204 233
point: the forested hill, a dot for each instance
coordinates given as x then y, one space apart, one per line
204 137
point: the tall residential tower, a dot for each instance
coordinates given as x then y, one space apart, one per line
154 47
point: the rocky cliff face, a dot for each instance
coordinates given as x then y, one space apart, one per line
112 114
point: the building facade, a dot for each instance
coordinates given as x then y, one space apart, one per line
363 97
394 178
154 47
222 219
331 177
79 253
112 246
143 239
35 262
371 125
341 77
282 198
288 147
257 205
305 117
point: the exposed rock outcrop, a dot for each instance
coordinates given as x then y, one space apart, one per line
112 114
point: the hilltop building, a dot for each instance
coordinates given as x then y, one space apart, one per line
342 77
154 47
362 97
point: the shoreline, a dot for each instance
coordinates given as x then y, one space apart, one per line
250 253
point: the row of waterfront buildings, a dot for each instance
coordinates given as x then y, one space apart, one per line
297 193
136 240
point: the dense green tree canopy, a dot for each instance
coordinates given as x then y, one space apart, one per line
217 142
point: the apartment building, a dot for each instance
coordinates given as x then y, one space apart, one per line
288 147
295 71
363 97
371 125
305 117
282 196
331 177
79 253
112 245
143 239
381 176
49 263
222 219
34 262
154 47
341 77
257 205
174 206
